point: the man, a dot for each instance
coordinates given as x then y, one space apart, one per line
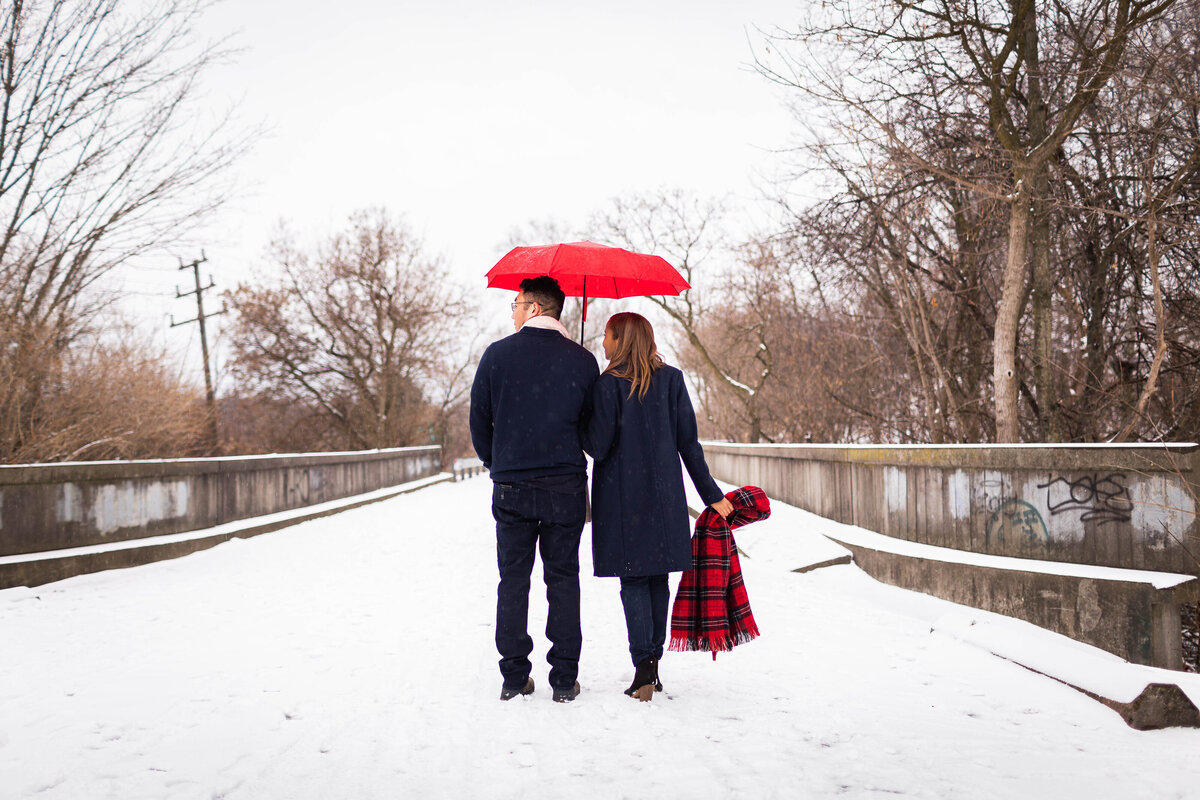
529 404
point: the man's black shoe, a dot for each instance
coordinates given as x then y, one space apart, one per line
507 693
567 694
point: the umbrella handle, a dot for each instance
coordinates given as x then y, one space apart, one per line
582 321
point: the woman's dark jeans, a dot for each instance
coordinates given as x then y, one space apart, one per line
646 599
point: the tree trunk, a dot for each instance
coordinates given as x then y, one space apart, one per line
1042 282
1008 316
1042 288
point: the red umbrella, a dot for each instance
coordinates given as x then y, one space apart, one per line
587 269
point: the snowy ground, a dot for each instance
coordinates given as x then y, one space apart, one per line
352 657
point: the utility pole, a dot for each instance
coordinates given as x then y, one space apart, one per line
209 397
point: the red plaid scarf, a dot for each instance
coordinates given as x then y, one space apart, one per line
712 611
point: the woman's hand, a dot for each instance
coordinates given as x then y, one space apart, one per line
723 507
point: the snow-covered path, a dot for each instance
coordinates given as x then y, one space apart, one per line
352 657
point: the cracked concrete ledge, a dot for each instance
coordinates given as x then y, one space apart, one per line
1156 706
1144 696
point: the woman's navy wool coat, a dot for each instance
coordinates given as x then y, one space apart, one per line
640 523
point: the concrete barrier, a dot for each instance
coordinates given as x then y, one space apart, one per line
69 508
464 468
1123 507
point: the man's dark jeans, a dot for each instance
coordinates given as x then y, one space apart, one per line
646 600
552 522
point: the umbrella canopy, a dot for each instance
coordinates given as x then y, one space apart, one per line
587 269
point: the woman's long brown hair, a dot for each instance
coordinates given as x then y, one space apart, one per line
636 358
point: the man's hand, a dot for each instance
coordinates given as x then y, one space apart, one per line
723 507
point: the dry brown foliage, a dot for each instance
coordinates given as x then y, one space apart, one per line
116 398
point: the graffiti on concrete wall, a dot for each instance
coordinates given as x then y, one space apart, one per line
1098 497
1015 521
296 486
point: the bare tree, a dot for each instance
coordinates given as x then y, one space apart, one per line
365 330
1017 78
689 232
100 161
1141 170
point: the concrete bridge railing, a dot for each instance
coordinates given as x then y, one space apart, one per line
58 520
1104 510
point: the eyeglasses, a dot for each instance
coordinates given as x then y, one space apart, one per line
516 303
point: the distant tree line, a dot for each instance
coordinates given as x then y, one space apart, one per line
989 234
101 161
1005 243
357 341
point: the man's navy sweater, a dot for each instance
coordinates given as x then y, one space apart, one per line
530 402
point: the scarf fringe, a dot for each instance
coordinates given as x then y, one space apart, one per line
711 643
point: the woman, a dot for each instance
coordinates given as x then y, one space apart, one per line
642 423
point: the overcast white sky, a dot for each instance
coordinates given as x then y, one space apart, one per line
473 117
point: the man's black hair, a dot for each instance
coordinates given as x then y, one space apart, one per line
545 291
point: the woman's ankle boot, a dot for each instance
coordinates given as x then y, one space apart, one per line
643 680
